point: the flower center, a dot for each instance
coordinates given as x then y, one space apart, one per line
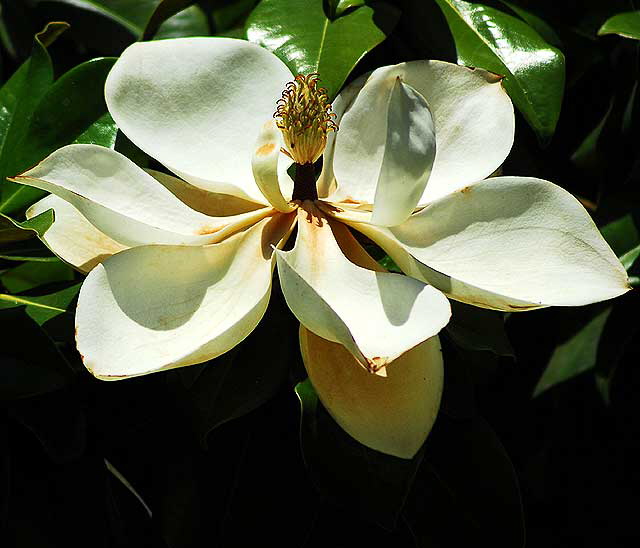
304 116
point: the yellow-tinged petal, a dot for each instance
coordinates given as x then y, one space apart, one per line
378 316
392 414
71 237
156 307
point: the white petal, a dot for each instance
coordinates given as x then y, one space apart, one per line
204 201
392 414
151 308
71 237
265 166
197 105
473 117
326 182
124 202
377 316
385 148
508 243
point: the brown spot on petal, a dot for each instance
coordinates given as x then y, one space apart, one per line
466 190
264 150
376 363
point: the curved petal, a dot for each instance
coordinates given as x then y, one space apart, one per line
197 105
71 237
385 148
152 308
473 117
326 183
126 203
377 316
507 243
204 201
392 414
265 166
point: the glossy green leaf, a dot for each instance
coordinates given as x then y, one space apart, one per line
18 99
534 71
167 9
575 356
536 23
364 481
308 41
630 257
42 308
625 24
337 8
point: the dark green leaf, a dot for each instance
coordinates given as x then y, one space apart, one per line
625 24
31 275
478 329
28 369
622 234
18 100
539 25
575 356
353 476
308 41
467 471
42 308
189 22
167 9
534 71
36 225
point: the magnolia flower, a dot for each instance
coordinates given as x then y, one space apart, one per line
180 269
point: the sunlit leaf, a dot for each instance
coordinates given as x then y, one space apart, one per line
536 23
42 308
306 40
534 70
37 225
625 24
31 275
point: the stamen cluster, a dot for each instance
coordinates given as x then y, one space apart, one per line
304 116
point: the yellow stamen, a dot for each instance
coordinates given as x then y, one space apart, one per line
304 116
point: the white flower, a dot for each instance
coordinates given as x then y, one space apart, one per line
180 270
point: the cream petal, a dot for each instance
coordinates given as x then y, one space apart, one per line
264 163
153 308
377 316
71 237
507 243
473 117
326 184
385 148
204 201
197 105
126 203
392 414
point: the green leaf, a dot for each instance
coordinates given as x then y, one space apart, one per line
536 23
622 234
166 10
575 356
476 328
36 225
353 476
18 100
630 257
338 7
625 24
31 275
188 22
308 41
534 71
42 308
